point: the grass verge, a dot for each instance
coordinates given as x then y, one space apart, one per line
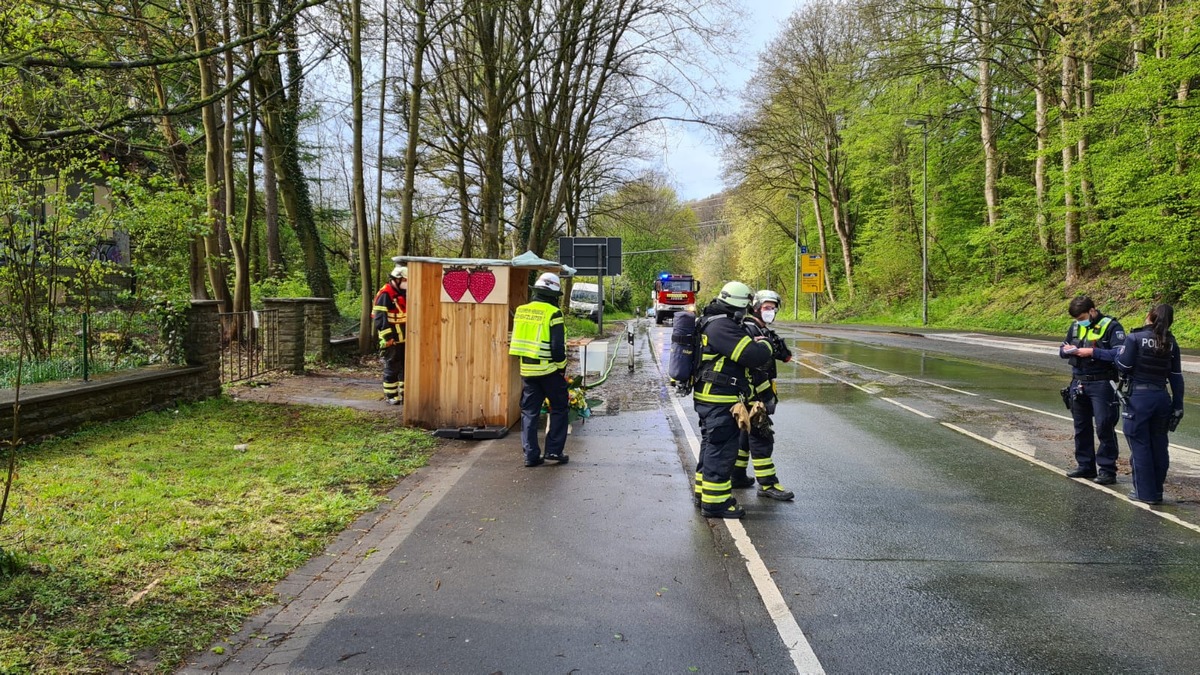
142 541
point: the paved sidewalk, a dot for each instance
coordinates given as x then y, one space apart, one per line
478 564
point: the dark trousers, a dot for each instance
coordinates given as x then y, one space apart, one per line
718 452
1097 401
1146 431
534 391
393 371
756 448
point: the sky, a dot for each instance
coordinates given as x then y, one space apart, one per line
691 155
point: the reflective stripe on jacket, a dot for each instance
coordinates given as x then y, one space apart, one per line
390 313
728 353
535 327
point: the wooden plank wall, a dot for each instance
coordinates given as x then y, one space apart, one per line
457 368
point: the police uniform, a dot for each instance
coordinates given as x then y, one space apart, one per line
1092 396
758 445
1149 409
390 316
728 353
539 339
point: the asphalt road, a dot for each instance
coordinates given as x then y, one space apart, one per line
914 547
933 531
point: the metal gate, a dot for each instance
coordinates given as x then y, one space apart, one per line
249 344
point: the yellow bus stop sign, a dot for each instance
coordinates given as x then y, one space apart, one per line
812 273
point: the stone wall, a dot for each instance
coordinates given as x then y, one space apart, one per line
56 408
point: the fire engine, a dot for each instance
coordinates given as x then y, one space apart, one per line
673 293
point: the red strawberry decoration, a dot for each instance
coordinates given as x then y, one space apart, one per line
481 283
455 281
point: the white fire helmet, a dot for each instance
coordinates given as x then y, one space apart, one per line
400 272
548 282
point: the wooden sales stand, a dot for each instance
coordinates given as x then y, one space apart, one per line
457 371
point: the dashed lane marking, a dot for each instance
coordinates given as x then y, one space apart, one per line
1013 451
793 637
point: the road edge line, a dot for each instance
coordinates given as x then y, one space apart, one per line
1033 460
797 644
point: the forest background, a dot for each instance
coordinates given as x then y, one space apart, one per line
1031 150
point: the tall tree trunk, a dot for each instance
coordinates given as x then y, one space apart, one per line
281 127
271 210
1087 98
365 334
414 129
842 224
987 134
379 259
209 115
1041 120
1070 216
820 218
237 244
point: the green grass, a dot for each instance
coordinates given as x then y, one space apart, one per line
166 499
1027 309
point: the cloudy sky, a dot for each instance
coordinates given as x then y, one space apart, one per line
690 154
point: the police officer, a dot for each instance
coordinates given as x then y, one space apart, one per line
1091 347
390 316
1149 358
758 444
727 354
539 339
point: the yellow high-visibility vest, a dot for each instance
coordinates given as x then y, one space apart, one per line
531 338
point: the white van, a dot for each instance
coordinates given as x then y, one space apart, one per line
585 300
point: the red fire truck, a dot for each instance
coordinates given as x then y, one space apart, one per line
673 293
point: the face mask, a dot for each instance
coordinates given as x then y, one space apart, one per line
1085 323
768 315
404 285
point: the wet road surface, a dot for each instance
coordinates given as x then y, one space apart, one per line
912 547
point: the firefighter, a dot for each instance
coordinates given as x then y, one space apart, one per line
391 316
758 443
539 338
727 354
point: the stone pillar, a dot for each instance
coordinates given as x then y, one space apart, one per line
316 327
291 331
202 344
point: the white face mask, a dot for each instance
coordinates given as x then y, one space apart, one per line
404 285
768 315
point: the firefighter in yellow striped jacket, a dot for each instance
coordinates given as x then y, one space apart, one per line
758 443
539 339
728 352
390 315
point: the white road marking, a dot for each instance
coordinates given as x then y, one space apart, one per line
832 376
1175 446
1082 481
793 637
1013 451
886 372
911 410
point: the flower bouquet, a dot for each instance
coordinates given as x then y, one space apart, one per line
577 403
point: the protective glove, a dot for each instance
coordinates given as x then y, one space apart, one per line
741 414
1176 416
384 343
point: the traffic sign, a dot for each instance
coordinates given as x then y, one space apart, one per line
812 273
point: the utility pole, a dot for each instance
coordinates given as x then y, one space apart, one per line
924 216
